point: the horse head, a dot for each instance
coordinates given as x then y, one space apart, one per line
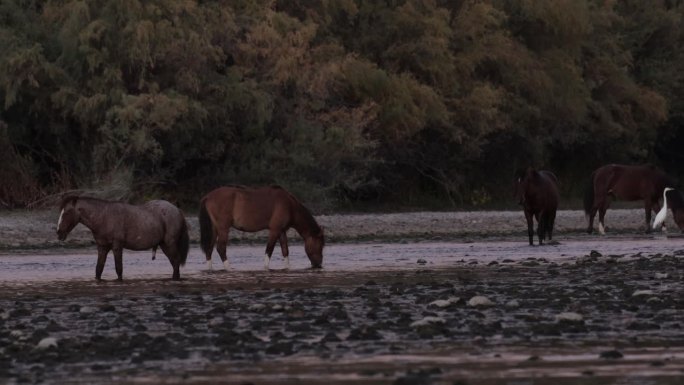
523 179
313 245
69 217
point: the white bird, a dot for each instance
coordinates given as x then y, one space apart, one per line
662 214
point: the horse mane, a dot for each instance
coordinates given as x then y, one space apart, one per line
675 200
73 198
306 214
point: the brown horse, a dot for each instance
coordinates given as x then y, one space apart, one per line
537 193
629 183
117 226
255 209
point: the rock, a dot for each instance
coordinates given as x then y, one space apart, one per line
87 310
480 301
256 307
442 303
661 275
569 317
16 333
595 254
427 321
611 354
421 261
642 292
512 304
46 343
364 333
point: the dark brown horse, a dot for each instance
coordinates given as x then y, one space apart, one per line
255 209
117 226
537 193
628 183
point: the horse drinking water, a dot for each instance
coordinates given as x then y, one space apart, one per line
537 193
629 183
117 226
255 209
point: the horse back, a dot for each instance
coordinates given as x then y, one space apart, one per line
249 209
630 182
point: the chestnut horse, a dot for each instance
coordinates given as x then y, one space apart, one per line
255 209
117 226
537 193
628 183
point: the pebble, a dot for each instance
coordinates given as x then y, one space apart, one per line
46 343
661 275
480 301
87 310
444 302
513 304
427 321
569 317
642 292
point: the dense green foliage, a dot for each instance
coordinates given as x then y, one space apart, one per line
338 100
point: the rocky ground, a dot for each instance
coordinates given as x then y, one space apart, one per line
599 318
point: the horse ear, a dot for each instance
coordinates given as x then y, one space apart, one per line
68 200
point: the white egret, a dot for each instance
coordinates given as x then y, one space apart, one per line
662 214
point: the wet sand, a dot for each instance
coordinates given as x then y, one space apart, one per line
587 310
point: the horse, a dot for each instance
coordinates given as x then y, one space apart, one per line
255 209
117 226
623 182
676 202
537 193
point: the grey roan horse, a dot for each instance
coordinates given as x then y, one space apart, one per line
117 226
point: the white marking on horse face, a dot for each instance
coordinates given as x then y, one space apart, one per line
602 229
267 262
59 222
226 265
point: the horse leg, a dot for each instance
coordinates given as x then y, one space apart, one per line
284 249
221 245
102 252
602 218
541 226
530 226
118 261
648 206
273 236
590 226
171 253
549 224
154 253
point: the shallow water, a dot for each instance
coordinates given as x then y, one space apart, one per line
59 265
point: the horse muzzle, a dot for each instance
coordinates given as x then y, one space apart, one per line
316 265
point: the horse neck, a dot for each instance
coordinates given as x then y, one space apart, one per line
302 220
88 210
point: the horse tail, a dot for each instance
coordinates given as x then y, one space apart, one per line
589 195
183 243
206 229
